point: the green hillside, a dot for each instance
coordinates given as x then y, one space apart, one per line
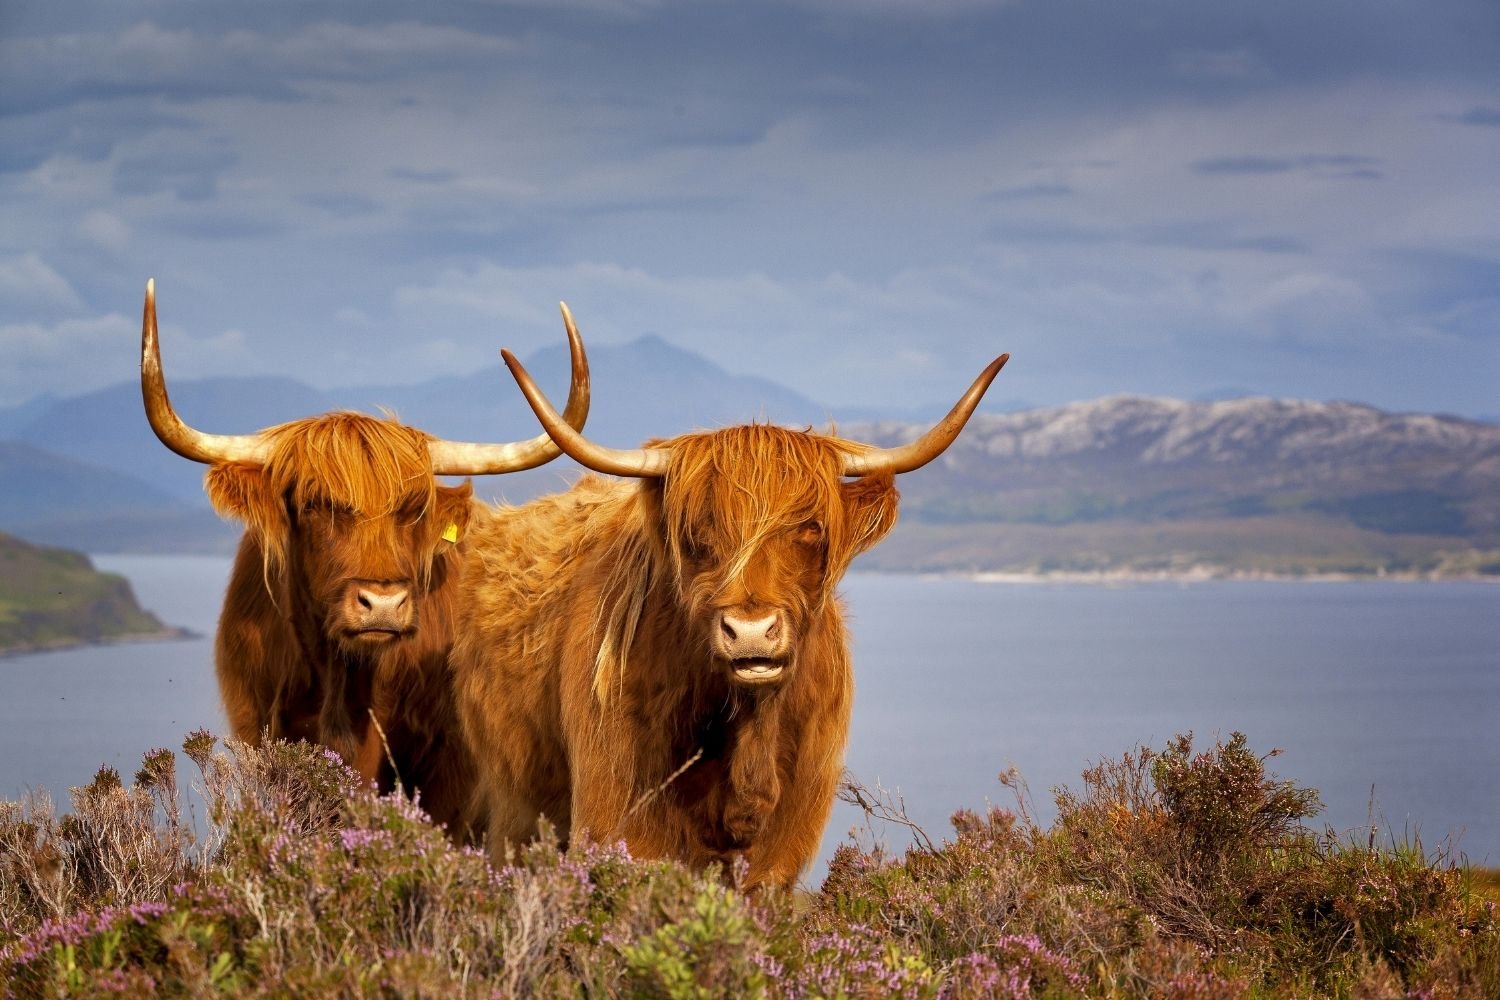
51 598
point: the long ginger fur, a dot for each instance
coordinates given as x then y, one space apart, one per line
586 685
344 496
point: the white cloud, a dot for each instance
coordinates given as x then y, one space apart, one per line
50 356
906 8
800 229
189 62
836 338
105 230
1238 64
65 179
39 355
28 282
332 48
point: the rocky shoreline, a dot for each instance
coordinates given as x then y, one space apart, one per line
169 633
1208 574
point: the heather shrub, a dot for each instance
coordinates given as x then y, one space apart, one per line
1216 854
1204 842
698 954
1171 874
1174 874
120 845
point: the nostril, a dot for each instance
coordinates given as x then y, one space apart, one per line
750 633
381 600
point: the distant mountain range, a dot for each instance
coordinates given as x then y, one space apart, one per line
642 389
1241 485
1122 484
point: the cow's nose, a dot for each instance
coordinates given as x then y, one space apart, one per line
382 599
750 631
372 608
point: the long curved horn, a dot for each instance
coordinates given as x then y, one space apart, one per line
641 463
918 453
449 458
459 458
175 434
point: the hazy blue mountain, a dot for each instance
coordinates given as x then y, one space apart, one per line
646 388
13 418
642 389
55 500
40 484
108 428
1281 474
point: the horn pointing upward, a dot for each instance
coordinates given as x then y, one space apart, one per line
449 458
457 458
918 453
636 462
175 434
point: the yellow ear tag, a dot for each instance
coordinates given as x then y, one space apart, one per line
450 533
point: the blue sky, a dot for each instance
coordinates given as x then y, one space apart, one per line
863 200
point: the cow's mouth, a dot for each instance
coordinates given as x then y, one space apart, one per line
757 669
377 635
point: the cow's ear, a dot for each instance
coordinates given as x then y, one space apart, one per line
453 505
869 510
240 491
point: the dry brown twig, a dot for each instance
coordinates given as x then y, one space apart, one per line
390 758
883 806
647 797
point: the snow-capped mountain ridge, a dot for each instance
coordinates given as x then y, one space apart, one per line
1162 431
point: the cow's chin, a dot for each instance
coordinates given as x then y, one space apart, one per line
373 638
758 671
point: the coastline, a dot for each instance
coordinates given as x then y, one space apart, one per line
1181 577
170 633
1214 575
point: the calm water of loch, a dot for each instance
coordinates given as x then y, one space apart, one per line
1390 685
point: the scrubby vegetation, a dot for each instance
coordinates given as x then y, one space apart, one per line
1175 873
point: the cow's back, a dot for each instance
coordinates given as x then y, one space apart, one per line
525 601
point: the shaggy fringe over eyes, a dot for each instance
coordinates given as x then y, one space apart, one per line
365 464
743 485
728 491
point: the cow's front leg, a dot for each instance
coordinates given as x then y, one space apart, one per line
754 784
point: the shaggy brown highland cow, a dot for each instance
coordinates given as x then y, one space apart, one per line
664 661
339 608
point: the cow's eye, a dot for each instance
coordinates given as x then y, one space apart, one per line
810 533
695 549
324 508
